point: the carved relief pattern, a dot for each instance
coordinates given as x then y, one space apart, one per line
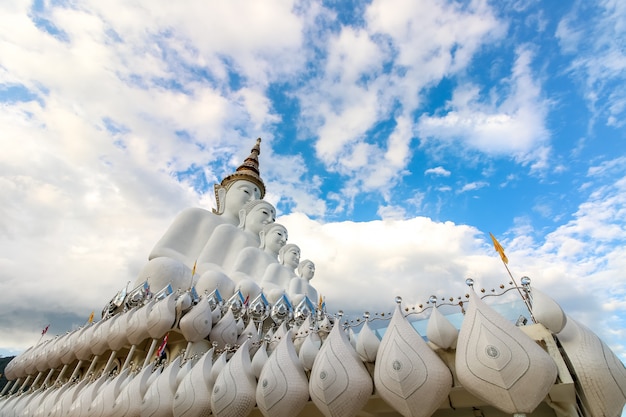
162 316
234 392
409 376
283 388
193 395
339 384
196 324
500 364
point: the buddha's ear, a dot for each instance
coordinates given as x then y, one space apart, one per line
262 239
220 198
242 218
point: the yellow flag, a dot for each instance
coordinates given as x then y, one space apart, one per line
499 249
193 271
90 318
320 303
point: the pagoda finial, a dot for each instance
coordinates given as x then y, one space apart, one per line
248 170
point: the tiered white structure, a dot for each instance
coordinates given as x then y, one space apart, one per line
277 353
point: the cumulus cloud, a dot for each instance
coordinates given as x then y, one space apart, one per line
511 122
416 45
438 171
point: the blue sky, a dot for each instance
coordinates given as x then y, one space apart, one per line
396 136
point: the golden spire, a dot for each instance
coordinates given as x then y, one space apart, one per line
248 171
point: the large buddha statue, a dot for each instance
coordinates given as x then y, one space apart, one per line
173 256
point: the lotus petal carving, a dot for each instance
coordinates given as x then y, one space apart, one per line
196 324
193 396
283 388
339 384
367 343
440 331
408 375
234 392
500 364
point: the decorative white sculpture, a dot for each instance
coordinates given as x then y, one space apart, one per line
222 248
277 276
339 384
192 228
283 388
226 243
547 312
251 263
300 286
440 331
497 362
408 375
159 398
128 403
494 360
193 396
259 360
162 316
102 405
225 331
234 392
196 324
601 375
367 344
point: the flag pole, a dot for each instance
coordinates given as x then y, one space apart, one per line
193 272
524 298
505 262
43 332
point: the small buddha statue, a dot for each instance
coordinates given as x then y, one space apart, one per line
276 278
252 263
300 286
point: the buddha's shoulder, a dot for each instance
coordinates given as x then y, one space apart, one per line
197 214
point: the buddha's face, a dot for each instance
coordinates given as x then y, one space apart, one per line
239 193
259 216
307 271
276 238
291 257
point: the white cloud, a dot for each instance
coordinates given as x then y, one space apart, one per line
473 186
591 33
438 171
417 44
513 123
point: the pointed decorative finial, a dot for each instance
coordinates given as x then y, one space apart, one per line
248 170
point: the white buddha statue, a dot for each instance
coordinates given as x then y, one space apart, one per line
300 286
191 229
276 278
227 240
173 256
251 263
